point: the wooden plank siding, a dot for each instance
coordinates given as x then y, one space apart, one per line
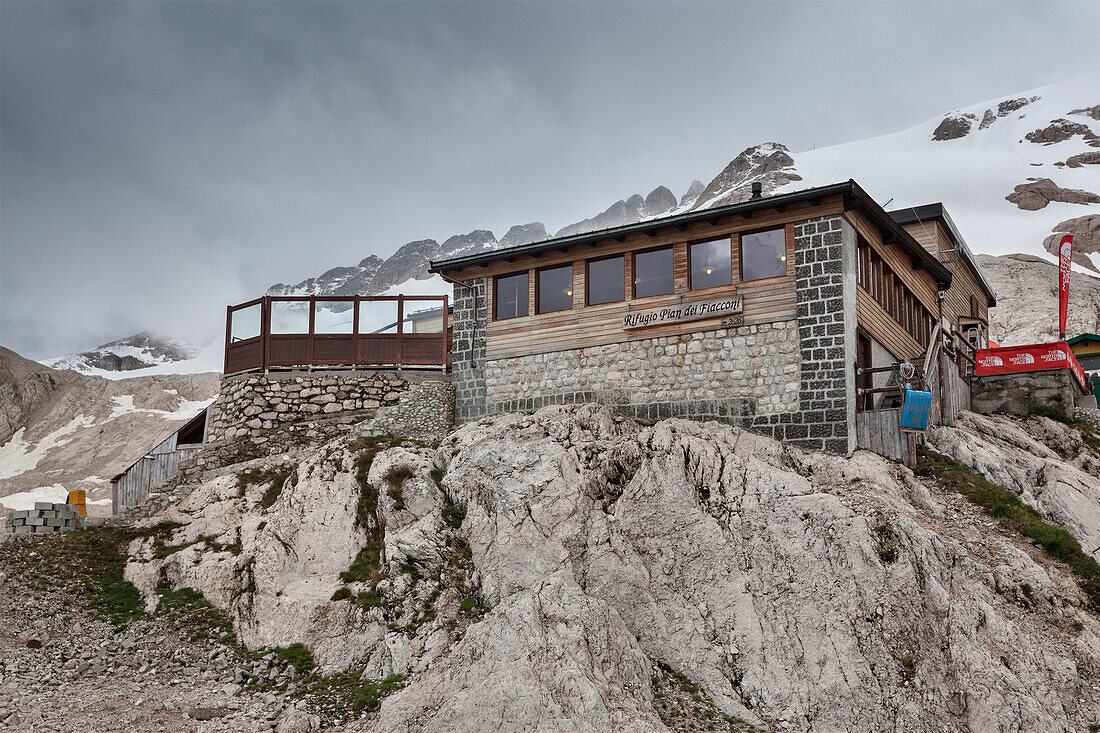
870 314
934 237
765 300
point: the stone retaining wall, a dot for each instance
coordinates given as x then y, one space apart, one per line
45 518
254 405
1021 394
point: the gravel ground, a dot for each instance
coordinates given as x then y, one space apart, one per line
62 668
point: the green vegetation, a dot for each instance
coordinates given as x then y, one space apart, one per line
275 478
347 691
395 478
190 612
437 476
1013 514
368 447
683 706
908 671
342 594
298 655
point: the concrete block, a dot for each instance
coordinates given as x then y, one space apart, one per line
43 506
23 514
55 522
36 522
42 529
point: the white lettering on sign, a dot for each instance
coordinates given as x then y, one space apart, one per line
718 307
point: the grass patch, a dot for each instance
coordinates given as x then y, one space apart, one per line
348 692
395 478
192 613
1013 514
682 705
298 655
342 594
275 478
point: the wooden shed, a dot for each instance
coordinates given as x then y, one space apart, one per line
130 487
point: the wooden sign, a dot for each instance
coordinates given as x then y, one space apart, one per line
726 308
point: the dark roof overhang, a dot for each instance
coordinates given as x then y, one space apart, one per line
853 196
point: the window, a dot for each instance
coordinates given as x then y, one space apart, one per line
377 316
555 289
244 323
606 280
290 316
422 316
333 316
763 254
510 296
709 264
653 272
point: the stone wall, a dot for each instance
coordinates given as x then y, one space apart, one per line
254 405
825 282
1021 394
469 318
733 375
425 412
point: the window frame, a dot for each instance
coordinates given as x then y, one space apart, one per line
741 253
634 271
729 241
538 287
588 279
496 296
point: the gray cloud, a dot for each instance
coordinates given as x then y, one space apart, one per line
159 160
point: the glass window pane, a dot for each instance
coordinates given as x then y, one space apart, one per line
763 254
606 280
511 296
244 323
653 272
289 316
710 264
377 316
555 288
334 316
423 316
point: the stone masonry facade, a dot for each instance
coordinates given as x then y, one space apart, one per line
731 375
470 316
790 379
253 405
824 273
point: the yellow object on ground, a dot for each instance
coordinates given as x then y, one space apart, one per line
79 498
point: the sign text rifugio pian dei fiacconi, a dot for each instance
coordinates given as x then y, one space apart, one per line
730 306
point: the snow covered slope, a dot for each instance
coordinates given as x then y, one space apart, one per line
142 355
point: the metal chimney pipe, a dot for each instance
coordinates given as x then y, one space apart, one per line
757 190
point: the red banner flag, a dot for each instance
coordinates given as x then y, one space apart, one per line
1065 257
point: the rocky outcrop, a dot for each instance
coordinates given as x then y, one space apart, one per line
24 386
61 431
1081 160
1041 460
692 194
1062 129
460 245
1027 300
1039 192
1093 111
634 209
1086 239
524 234
769 164
798 591
953 127
337 281
410 262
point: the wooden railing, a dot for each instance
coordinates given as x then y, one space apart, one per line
277 332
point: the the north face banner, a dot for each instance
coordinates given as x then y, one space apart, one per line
1033 358
1065 260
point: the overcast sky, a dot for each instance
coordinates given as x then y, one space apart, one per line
160 160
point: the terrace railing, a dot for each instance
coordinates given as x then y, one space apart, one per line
282 332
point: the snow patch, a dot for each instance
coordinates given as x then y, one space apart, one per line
17 456
55 494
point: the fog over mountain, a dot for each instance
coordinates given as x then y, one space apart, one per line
161 160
